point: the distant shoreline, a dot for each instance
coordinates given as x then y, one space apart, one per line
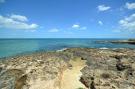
124 42
129 41
60 38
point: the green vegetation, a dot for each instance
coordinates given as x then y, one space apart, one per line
131 39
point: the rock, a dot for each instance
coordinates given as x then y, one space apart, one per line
120 67
111 71
1 69
105 69
118 57
130 41
84 81
83 58
105 76
9 78
92 85
20 82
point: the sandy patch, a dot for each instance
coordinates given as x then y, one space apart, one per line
67 78
39 84
70 78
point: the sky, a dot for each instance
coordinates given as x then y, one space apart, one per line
67 18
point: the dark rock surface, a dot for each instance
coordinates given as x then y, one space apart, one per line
109 69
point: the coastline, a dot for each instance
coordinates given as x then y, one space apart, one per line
26 46
52 51
104 69
128 41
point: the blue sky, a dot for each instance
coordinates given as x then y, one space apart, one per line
67 18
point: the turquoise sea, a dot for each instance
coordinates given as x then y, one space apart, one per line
11 47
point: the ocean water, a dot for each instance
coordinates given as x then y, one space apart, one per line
11 47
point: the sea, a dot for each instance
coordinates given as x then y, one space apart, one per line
12 47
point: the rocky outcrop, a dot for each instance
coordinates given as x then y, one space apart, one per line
110 70
12 79
104 69
33 71
130 41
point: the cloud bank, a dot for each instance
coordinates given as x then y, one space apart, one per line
16 22
18 17
128 23
130 6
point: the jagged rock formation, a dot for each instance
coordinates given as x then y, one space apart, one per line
36 71
110 69
104 69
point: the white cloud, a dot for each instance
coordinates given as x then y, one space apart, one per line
103 7
130 6
18 17
76 26
128 23
16 23
54 30
2 1
100 22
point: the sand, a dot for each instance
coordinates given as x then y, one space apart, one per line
70 78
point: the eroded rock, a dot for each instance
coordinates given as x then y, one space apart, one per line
112 70
105 69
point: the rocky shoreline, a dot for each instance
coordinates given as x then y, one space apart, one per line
103 69
123 42
129 41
